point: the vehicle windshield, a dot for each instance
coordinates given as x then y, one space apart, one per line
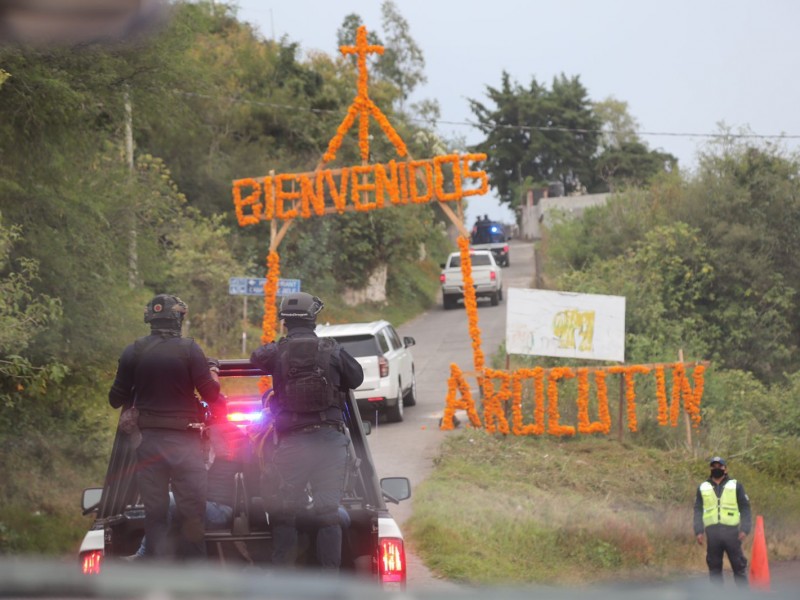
359 345
478 260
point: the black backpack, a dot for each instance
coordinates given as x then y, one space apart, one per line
304 365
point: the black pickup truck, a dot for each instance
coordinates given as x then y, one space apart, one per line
489 235
372 544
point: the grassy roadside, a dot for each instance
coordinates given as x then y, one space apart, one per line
543 510
46 473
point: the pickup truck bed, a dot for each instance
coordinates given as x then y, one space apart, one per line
119 515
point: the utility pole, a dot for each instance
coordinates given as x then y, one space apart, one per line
133 253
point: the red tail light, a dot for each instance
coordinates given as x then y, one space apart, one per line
392 561
492 275
91 562
505 248
383 365
441 278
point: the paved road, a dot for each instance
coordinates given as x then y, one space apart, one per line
408 448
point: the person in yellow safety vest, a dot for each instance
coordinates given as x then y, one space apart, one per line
722 517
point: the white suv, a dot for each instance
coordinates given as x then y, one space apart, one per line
389 380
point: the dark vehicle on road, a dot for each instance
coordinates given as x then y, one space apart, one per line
490 235
372 543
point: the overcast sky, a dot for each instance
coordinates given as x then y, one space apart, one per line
682 66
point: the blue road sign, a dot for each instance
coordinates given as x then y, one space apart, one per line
237 286
254 286
288 286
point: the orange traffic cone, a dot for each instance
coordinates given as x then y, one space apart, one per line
759 566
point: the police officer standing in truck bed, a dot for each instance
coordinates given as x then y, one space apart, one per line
310 376
158 375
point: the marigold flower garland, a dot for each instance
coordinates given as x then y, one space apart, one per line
250 200
697 397
471 306
691 399
630 390
362 105
675 404
494 402
537 427
584 424
602 401
269 322
458 382
553 416
661 396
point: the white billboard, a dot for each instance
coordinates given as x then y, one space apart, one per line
565 324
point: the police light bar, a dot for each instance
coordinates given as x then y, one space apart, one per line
238 417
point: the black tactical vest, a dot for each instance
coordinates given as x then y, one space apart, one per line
304 365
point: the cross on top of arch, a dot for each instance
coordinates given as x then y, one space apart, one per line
362 106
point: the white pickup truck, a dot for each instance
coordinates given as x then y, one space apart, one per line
487 278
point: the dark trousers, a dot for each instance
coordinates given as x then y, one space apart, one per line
318 459
167 456
722 539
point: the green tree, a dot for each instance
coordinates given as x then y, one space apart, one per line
23 313
746 201
618 125
403 62
537 134
200 261
511 135
571 133
632 164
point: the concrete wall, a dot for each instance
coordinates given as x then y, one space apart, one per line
540 212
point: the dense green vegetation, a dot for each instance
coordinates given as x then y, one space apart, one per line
707 265
90 231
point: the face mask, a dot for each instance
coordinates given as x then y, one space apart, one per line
717 473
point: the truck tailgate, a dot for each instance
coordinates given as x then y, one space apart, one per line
372 375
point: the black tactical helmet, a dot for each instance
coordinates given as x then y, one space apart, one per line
165 307
301 307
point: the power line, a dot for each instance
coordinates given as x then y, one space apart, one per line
642 133
755 136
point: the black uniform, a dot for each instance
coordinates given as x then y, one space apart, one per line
721 539
158 374
312 449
